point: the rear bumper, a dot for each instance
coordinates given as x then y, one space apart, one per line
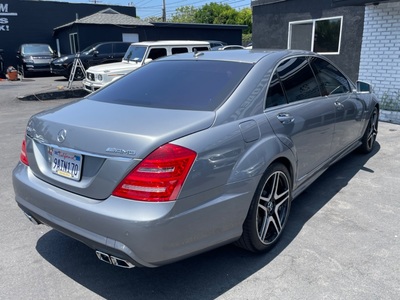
145 234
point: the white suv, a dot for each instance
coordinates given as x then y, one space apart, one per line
136 56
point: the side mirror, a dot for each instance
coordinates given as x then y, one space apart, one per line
364 87
95 53
147 60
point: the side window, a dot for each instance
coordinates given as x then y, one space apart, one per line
298 79
332 81
157 53
105 48
199 49
120 47
275 95
179 50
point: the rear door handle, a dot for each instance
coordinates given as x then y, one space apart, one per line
285 118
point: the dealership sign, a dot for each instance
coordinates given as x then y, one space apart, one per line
4 14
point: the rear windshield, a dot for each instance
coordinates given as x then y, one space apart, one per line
184 85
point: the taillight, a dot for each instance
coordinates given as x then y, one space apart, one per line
23 157
159 177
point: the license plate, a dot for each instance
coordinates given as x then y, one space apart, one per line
66 164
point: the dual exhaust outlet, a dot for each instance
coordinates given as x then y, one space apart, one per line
112 260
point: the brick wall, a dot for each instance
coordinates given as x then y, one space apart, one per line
380 52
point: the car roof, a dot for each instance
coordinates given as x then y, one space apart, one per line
172 43
112 42
239 55
34 44
108 42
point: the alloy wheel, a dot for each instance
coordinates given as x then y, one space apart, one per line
273 207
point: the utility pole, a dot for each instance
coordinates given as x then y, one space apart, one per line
164 12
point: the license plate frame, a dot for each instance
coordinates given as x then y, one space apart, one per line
66 164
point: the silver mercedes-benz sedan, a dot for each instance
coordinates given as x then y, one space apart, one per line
191 152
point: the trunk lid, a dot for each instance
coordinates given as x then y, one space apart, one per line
105 140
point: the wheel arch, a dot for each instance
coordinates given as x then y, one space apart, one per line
289 166
263 154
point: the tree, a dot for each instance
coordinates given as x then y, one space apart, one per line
215 13
184 14
154 19
244 17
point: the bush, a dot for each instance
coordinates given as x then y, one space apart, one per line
390 101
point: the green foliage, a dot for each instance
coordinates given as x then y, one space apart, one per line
184 14
246 38
213 13
245 18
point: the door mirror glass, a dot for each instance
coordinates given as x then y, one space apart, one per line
364 87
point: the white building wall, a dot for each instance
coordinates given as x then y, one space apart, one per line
380 52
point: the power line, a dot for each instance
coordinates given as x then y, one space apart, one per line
157 10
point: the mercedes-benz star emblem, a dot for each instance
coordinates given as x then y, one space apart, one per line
62 134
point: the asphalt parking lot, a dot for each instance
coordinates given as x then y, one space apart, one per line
342 240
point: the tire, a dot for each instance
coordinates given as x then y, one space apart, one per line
269 210
369 137
78 74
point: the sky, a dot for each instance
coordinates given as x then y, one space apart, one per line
151 8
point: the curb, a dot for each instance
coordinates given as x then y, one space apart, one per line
53 95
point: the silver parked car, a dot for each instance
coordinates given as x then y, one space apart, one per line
191 152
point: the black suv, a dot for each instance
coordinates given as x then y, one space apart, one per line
34 58
100 53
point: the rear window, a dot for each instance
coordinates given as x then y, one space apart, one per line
183 85
199 48
179 50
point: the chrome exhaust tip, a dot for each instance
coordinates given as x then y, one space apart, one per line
32 219
112 260
104 257
122 263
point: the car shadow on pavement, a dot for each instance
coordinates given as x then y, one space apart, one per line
205 276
